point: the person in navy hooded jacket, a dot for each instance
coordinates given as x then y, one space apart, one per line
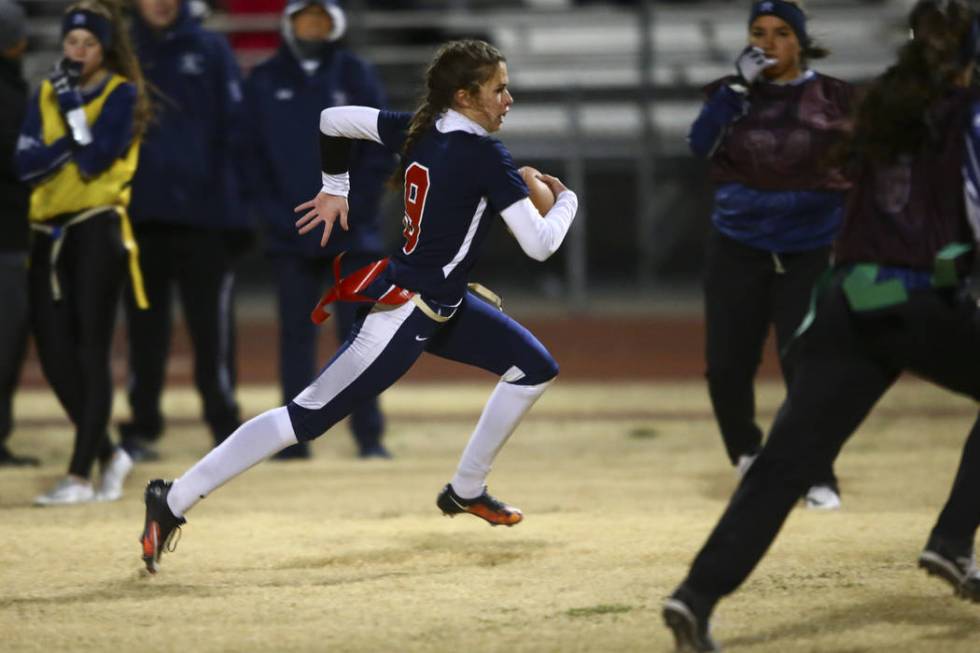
186 212
284 96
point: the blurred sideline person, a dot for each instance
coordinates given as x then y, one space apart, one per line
767 132
14 203
283 97
79 148
455 178
185 212
895 302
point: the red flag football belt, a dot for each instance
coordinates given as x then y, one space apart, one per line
348 289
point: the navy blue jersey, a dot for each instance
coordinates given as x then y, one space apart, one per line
455 182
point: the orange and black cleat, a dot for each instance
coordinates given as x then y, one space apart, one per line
484 506
160 526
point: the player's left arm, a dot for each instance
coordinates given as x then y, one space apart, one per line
539 236
112 133
34 160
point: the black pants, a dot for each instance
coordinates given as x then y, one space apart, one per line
74 334
746 290
196 262
300 283
843 365
13 334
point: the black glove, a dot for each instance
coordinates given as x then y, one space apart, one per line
64 78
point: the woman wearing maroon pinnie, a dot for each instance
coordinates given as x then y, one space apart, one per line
767 132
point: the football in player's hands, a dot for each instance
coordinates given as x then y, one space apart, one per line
541 196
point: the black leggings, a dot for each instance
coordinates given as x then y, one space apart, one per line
843 365
74 334
746 290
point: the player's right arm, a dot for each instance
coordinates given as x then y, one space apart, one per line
34 160
338 127
725 105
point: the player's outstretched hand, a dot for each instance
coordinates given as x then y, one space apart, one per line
554 183
324 209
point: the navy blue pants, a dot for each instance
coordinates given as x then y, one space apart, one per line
196 262
386 342
300 282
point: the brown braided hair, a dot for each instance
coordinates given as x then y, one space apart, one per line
464 64
120 58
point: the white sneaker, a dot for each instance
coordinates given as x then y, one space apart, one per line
744 462
822 497
114 474
67 491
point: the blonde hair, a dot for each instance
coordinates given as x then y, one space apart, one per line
120 57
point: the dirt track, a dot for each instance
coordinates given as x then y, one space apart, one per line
587 348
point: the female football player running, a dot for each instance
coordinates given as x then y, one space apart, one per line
455 178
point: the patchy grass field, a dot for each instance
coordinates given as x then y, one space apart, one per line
620 485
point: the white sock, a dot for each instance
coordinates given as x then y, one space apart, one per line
250 444
504 410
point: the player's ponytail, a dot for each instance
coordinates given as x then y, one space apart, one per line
893 121
457 65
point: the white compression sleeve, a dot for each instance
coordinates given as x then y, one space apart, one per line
504 410
250 444
351 122
539 236
347 122
336 184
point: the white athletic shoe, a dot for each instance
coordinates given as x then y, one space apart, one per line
744 462
114 474
822 497
67 491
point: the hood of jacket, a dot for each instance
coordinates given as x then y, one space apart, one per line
335 12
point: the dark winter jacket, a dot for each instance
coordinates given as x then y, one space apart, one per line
283 105
187 170
14 194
